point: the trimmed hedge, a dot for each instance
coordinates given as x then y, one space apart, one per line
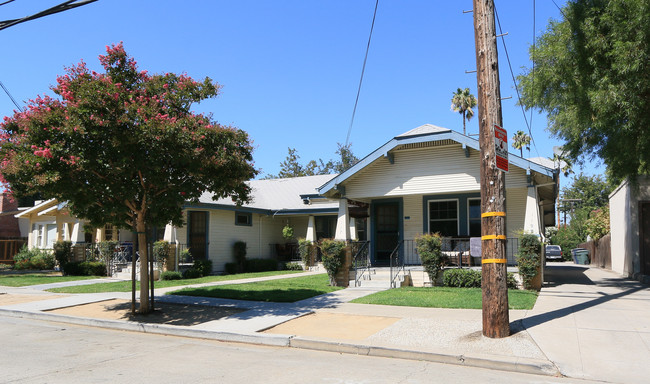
171 275
470 278
84 268
293 267
260 265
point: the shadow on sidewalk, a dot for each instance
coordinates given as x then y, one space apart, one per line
559 275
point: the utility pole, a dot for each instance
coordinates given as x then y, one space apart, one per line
496 323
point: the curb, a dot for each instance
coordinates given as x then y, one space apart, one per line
503 363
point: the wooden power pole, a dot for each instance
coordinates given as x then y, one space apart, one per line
496 322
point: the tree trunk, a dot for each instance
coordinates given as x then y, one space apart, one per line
144 265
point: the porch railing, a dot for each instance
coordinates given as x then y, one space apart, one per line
9 248
360 260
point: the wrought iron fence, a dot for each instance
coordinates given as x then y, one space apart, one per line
360 260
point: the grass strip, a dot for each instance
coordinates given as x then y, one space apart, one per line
20 280
445 297
125 286
279 291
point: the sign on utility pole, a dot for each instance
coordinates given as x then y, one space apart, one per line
496 322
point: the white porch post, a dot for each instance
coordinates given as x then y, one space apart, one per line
311 229
353 229
342 222
170 234
532 218
78 234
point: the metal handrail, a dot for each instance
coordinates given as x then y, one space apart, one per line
361 262
396 264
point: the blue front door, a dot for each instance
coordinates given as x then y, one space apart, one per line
386 224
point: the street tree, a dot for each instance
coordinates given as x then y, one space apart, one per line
520 141
291 166
591 75
123 148
463 102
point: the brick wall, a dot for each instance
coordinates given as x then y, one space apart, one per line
8 223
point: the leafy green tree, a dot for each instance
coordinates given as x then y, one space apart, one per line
520 141
291 166
592 77
123 148
463 102
593 192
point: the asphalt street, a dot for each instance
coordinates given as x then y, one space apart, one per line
36 351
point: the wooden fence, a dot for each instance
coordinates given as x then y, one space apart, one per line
8 248
600 251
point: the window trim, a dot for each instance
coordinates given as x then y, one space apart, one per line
457 200
469 219
249 219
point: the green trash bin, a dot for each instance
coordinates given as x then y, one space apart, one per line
582 257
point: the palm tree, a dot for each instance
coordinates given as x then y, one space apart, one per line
463 102
521 140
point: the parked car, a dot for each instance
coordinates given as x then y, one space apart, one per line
553 253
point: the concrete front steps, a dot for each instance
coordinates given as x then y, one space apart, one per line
380 277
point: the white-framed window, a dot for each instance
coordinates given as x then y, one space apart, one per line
474 217
110 233
443 217
51 236
244 218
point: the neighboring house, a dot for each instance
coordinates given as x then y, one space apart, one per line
425 180
11 229
629 216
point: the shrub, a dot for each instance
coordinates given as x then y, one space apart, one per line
191 273
160 252
261 265
33 259
529 258
239 250
171 275
84 268
231 268
293 267
469 278
305 248
4 267
462 278
428 247
185 256
333 255
62 251
204 267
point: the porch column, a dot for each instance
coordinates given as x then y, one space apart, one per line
532 217
170 234
353 229
311 229
78 234
342 222
59 230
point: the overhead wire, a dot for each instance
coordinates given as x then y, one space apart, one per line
363 69
11 97
514 80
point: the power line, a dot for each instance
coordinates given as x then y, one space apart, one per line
363 69
6 2
66 5
11 97
514 80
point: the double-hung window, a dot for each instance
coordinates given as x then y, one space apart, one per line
443 217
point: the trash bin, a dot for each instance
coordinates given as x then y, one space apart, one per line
574 253
582 257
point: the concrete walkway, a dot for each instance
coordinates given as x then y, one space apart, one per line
587 323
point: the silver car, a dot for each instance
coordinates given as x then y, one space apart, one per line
553 253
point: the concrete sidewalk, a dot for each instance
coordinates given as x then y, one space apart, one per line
587 323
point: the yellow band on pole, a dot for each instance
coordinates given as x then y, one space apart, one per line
494 261
494 237
490 214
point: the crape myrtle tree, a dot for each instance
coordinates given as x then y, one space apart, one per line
124 148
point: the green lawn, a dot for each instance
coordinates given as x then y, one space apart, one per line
19 280
125 286
281 291
445 297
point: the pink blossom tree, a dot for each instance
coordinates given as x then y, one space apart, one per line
123 147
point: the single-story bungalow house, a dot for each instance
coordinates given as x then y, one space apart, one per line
424 180
629 215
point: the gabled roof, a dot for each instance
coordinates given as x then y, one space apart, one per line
281 196
422 134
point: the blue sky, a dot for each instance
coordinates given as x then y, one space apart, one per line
289 68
